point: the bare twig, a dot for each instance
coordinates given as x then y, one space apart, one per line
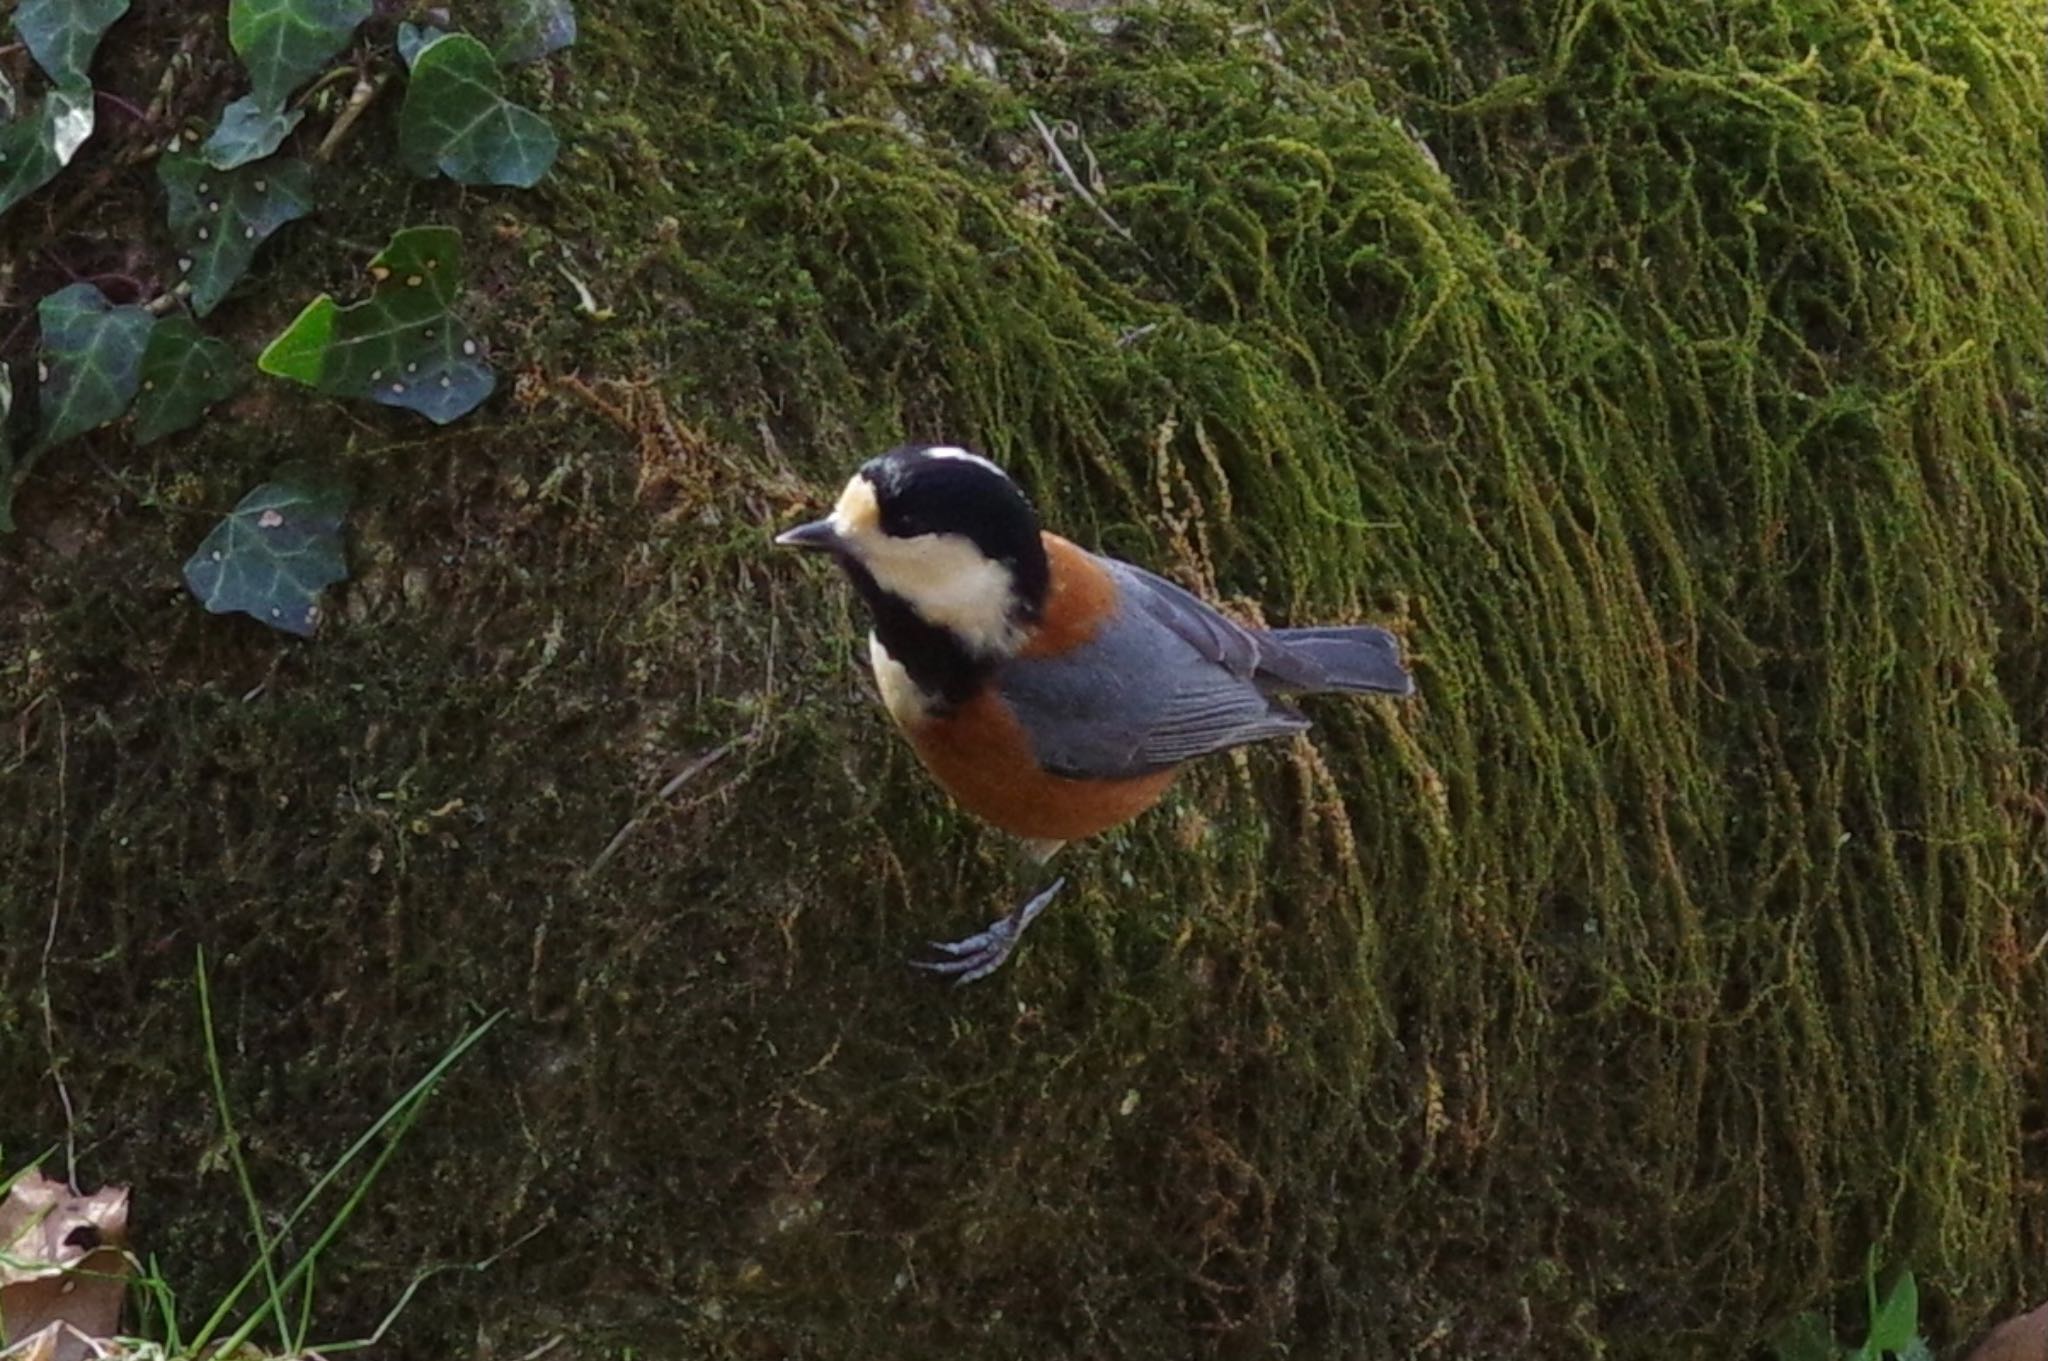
334 76
697 766
1066 168
50 945
359 99
88 196
167 83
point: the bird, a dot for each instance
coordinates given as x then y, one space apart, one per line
1051 691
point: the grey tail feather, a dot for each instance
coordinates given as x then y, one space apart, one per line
1358 660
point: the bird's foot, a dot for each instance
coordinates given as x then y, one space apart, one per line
982 953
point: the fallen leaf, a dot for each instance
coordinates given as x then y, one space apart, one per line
2017 1339
63 1271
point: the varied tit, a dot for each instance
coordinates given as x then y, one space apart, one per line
1052 691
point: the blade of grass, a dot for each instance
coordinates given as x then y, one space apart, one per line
298 1347
399 1113
7 1183
304 1265
227 1126
157 1298
419 1279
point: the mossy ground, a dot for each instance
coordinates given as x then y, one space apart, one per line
1676 945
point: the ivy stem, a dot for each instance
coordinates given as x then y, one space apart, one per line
332 77
132 110
359 99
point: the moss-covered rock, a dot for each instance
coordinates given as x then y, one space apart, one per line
1672 376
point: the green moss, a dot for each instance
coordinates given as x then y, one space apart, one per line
1670 950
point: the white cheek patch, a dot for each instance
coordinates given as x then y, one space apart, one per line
858 513
907 704
949 582
944 577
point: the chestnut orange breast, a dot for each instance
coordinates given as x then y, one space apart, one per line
981 756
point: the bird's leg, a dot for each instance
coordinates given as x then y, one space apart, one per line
982 953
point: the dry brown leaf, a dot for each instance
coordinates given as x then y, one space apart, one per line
63 1271
57 1340
2017 1339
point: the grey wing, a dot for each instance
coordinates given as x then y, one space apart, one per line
1157 686
1223 641
1239 650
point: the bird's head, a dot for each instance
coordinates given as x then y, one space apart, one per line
943 531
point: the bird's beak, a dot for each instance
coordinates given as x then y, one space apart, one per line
819 536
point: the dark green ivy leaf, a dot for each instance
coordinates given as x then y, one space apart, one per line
34 147
1895 1323
402 347
92 360
275 552
284 43
219 217
61 34
413 39
248 131
1806 1338
456 121
184 371
534 28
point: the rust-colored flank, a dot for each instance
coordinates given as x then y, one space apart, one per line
979 752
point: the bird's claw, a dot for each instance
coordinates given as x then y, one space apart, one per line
981 954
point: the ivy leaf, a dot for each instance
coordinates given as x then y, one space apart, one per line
534 28
248 131
61 34
92 360
34 148
413 39
402 347
219 217
184 371
275 552
286 42
1895 1322
456 120
1805 1338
